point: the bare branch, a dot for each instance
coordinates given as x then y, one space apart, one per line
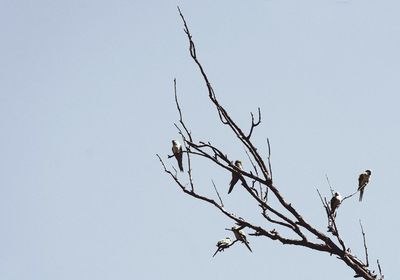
330 187
365 244
215 188
380 270
329 184
287 217
249 145
256 171
269 159
351 195
180 114
184 137
223 114
254 124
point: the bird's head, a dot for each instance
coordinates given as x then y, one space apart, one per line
174 142
238 164
368 171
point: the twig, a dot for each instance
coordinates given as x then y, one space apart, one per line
351 195
269 159
332 192
254 124
255 170
365 244
380 270
180 112
215 188
329 184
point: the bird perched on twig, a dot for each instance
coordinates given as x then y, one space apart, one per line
335 202
241 236
235 176
177 151
223 244
363 180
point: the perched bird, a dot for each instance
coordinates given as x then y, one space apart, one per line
223 244
235 176
363 180
177 150
335 202
241 236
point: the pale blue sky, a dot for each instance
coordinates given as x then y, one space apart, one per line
86 100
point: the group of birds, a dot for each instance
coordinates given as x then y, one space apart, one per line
227 241
363 180
178 153
336 200
238 232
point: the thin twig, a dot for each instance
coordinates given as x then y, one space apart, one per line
255 170
215 188
380 270
332 192
180 112
254 124
365 244
269 159
351 195
329 184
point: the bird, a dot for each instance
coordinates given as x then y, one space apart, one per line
177 151
335 202
223 244
235 175
241 236
363 180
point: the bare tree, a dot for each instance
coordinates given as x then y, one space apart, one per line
259 186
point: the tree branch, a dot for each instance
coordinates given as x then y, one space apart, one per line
288 217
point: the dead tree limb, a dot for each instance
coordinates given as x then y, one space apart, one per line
282 214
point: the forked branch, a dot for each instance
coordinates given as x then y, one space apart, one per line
277 216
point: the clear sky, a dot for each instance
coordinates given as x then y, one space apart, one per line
86 101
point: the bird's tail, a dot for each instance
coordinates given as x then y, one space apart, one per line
233 183
248 246
230 188
361 195
216 252
180 166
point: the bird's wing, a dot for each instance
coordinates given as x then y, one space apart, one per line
360 180
332 202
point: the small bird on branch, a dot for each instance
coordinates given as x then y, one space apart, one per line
223 244
335 202
241 236
177 151
363 180
235 176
